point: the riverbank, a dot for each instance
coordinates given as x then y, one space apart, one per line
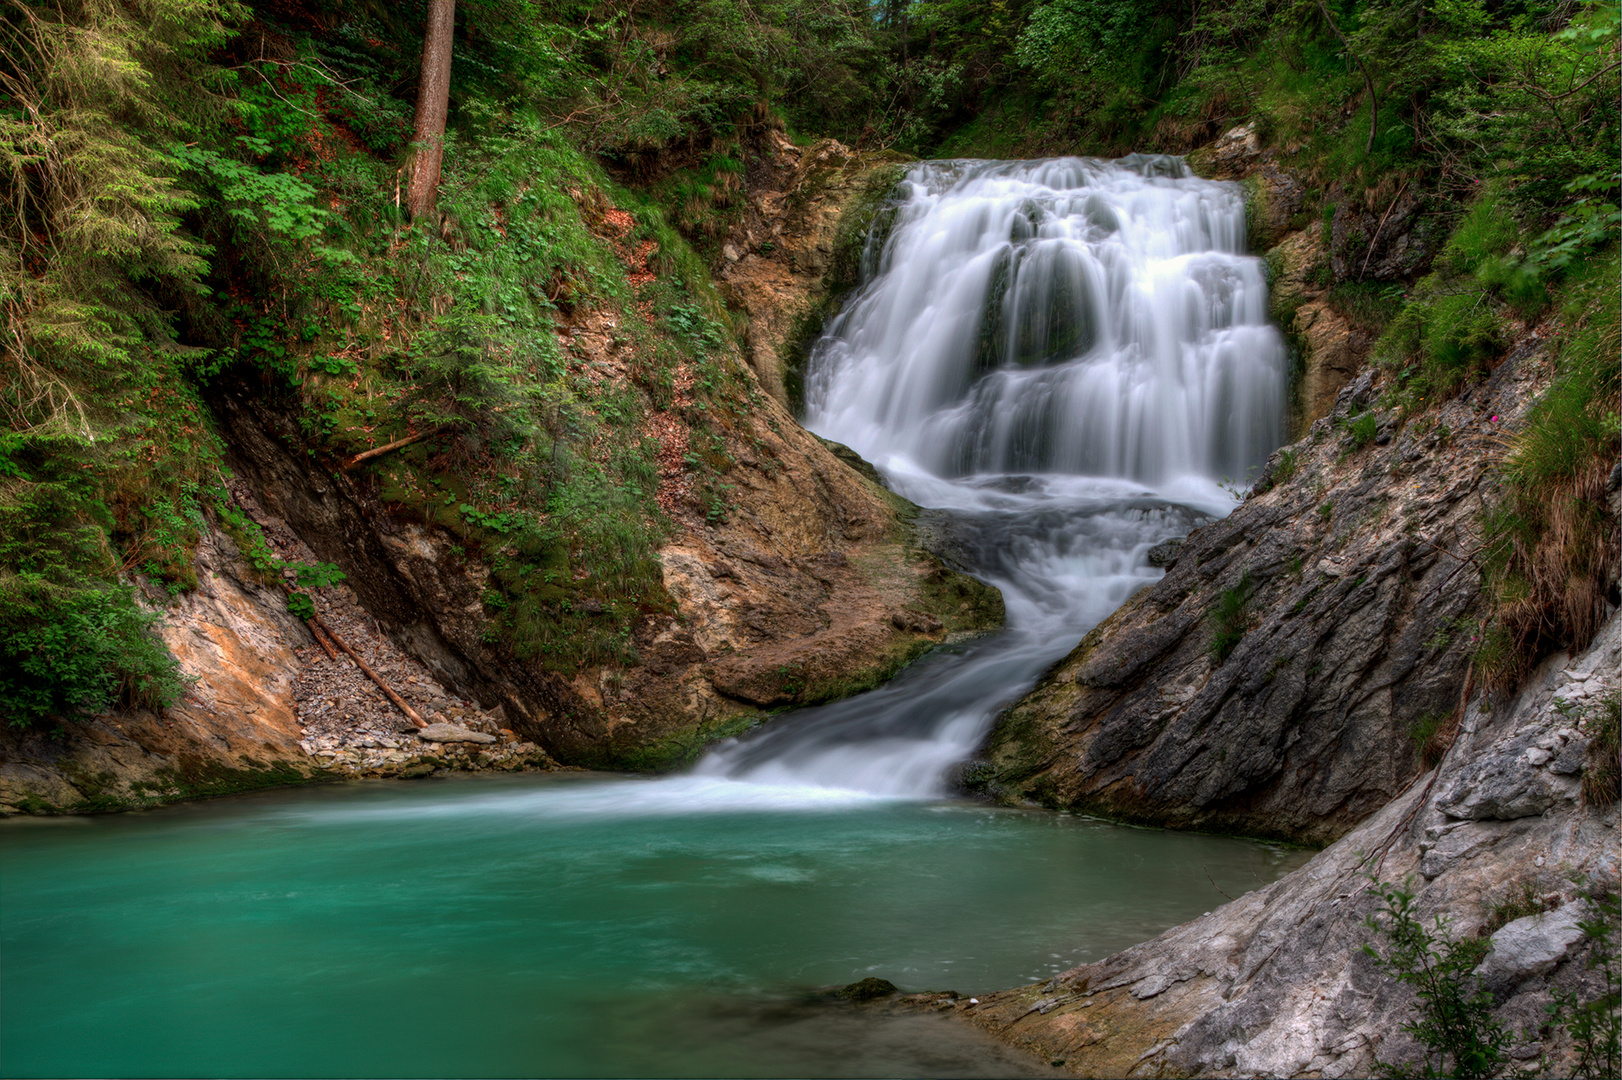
1498 840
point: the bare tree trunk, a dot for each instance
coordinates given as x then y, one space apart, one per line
433 96
1374 98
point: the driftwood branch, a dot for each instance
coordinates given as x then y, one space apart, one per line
379 451
1376 238
388 691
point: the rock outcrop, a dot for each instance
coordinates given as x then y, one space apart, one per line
1276 983
237 728
1304 259
800 248
1283 677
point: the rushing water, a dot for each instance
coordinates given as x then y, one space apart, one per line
1067 357
1070 356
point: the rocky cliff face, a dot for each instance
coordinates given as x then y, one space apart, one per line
1284 677
800 248
812 585
1495 840
1305 258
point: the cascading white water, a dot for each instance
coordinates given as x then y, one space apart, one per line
1068 316
1071 356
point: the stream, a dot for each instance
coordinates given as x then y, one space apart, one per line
1071 360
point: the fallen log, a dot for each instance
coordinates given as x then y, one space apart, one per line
321 639
378 451
388 691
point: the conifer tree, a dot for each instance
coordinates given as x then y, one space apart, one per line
433 97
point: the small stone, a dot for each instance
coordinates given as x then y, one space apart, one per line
1571 757
450 733
1164 554
1153 986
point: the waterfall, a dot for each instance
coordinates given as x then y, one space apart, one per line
1072 357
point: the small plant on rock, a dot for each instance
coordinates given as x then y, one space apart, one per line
1230 616
1596 1026
1602 774
1455 1025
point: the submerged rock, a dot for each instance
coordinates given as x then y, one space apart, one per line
867 989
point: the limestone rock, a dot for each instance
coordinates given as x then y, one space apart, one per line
450 733
1276 982
1507 784
1231 156
1531 946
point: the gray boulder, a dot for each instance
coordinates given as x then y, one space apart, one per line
446 733
1530 947
1508 783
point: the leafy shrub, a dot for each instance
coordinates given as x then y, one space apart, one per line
1362 430
1367 305
318 575
68 649
1602 772
1425 734
1456 1026
1551 540
1596 1026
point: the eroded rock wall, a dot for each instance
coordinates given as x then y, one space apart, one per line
1276 983
235 730
1351 599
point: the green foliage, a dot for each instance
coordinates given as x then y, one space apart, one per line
1367 305
1289 461
78 648
1596 1026
1602 770
318 575
1455 1024
1361 430
71 640
1549 554
1230 617
1442 339
1423 734
1517 904
300 605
